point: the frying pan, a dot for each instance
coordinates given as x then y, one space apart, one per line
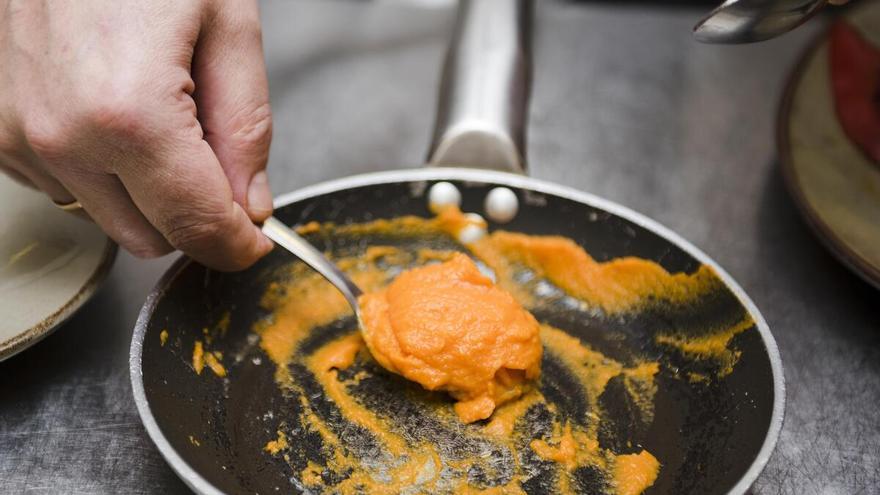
709 438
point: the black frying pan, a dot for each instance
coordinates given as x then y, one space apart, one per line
709 438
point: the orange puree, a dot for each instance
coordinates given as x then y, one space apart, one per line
634 473
614 286
448 327
275 446
198 360
710 346
564 453
202 357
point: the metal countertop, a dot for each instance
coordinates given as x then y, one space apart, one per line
625 105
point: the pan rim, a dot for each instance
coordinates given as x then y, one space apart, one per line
200 485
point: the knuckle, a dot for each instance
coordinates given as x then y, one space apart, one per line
108 109
47 138
118 115
253 130
115 103
190 235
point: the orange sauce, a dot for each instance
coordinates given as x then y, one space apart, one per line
564 452
503 421
202 357
448 327
198 357
307 302
304 301
212 359
275 446
634 473
311 475
713 345
613 286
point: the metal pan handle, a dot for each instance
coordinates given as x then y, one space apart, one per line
484 89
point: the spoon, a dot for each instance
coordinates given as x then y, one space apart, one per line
288 239
746 21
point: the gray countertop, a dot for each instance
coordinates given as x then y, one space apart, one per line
625 105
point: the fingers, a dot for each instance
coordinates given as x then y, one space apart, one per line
105 200
232 95
118 130
185 194
27 169
17 176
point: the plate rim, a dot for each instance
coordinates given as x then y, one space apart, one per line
838 248
29 337
200 485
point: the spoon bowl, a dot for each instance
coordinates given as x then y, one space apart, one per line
747 21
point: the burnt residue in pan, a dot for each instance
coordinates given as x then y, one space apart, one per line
239 420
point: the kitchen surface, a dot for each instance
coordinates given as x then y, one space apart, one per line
625 105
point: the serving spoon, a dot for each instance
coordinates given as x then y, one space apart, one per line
287 238
746 21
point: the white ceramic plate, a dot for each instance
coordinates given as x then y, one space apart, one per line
835 185
51 262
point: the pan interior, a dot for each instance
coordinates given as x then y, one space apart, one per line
705 433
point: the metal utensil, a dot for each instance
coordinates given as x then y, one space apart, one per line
287 238
747 21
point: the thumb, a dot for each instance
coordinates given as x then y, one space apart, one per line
232 97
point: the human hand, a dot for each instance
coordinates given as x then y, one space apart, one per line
153 114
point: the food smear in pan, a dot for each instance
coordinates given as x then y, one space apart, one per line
581 427
448 327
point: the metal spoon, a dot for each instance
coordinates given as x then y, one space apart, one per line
746 21
287 238
483 93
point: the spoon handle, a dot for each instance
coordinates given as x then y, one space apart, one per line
288 239
484 90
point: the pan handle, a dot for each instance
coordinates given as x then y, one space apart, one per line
484 89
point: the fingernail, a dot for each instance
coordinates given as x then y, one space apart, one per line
266 245
259 195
